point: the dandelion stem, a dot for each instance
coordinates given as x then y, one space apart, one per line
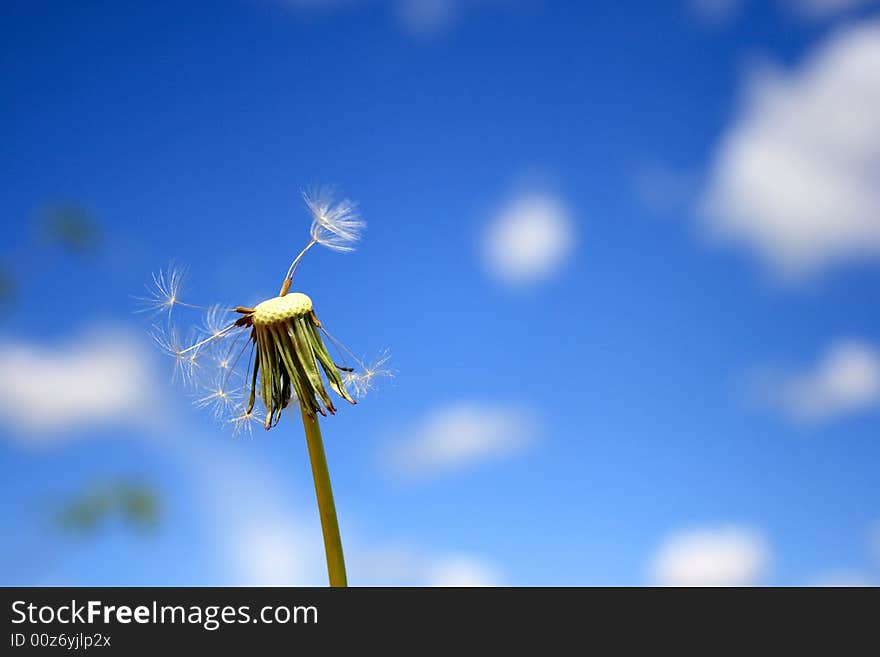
326 506
216 336
293 265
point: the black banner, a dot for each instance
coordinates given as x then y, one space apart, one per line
147 620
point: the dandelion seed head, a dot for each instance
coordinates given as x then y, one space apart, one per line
279 310
337 226
273 352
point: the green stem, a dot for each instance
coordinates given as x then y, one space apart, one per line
326 507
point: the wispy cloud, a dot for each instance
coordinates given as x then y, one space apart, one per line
265 536
712 556
426 17
401 565
529 239
822 9
714 12
275 548
843 578
98 378
845 380
457 436
417 18
462 570
104 377
795 175
720 12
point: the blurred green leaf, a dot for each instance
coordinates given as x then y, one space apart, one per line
136 505
140 506
72 227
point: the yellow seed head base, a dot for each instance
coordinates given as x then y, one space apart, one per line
278 310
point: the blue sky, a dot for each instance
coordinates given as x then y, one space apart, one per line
625 256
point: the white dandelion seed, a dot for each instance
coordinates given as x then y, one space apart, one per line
194 356
220 397
164 292
227 351
216 321
337 226
363 381
245 421
219 364
168 341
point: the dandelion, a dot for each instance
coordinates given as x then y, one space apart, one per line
274 353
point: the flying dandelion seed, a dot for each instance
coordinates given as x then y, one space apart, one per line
167 340
336 226
362 382
164 291
245 422
216 319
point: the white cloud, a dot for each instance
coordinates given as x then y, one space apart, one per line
399 565
417 18
821 9
714 12
462 571
796 177
283 551
843 578
267 536
263 534
277 550
426 17
714 556
459 435
845 380
102 377
529 239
